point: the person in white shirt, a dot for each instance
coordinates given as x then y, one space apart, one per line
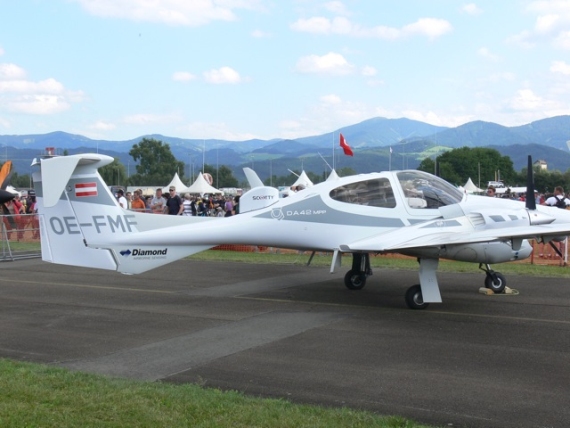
121 198
558 199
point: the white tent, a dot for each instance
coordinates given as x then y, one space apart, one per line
12 190
471 188
201 186
180 186
303 180
333 176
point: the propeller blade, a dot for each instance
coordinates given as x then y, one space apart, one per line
530 200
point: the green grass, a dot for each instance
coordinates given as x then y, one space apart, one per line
378 262
41 396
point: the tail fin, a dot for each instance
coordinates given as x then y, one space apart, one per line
259 196
82 224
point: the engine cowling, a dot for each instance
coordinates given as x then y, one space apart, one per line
486 252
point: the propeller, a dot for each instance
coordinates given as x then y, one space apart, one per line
530 198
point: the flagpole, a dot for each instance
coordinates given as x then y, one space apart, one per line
390 160
333 150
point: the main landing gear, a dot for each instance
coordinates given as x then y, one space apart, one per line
414 298
493 280
355 278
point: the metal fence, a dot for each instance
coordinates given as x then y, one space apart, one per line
19 237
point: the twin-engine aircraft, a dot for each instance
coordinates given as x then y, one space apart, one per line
408 212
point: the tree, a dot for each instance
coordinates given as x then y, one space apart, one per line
21 181
223 177
458 165
156 163
114 174
346 171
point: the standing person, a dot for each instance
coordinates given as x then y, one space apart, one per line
558 199
158 203
228 207
13 219
236 205
129 198
137 203
121 198
174 204
148 201
187 211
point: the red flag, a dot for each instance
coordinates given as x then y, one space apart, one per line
345 147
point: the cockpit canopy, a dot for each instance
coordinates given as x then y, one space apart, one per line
419 190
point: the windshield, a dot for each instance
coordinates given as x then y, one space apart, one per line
423 190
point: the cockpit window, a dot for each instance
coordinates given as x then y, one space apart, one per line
422 190
374 193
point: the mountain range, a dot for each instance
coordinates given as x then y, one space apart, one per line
378 143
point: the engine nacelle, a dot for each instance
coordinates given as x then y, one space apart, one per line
258 198
486 252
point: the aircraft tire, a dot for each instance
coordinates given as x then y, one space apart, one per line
497 286
355 280
414 298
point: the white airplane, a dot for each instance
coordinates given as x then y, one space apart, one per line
408 212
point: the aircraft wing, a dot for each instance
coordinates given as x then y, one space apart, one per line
449 232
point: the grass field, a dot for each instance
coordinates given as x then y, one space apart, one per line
35 395
379 262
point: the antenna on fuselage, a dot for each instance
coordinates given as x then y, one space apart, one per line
530 198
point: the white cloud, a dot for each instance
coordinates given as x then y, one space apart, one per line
172 12
222 75
24 96
48 86
331 63
4 123
429 27
562 41
329 112
472 9
150 119
551 24
526 99
218 130
2 52
182 76
11 71
40 104
486 53
560 67
369 71
102 126
336 7
260 34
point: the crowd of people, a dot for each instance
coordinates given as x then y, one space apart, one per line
19 214
172 203
556 199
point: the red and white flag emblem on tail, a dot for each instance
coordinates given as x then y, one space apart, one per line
345 147
86 189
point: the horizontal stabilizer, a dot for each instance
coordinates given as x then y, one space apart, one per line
139 259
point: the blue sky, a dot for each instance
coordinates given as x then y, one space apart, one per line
241 69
